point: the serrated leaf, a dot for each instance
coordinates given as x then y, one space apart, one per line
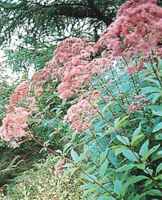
130 155
158 127
123 139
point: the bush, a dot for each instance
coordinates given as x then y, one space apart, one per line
122 149
41 183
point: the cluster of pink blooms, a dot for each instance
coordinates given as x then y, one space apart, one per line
78 76
73 65
80 114
19 94
71 47
14 125
136 31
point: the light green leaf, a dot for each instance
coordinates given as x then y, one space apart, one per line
117 186
134 179
159 177
123 139
158 127
137 131
152 192
153 149
130 166
120 122
103 168
148 90
159 168
130 155
75 156
137 139
144 149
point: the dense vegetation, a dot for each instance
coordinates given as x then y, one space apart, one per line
88 123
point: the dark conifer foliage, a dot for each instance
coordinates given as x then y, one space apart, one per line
57 18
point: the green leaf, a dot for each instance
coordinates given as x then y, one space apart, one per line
157 112
154 97
117 187
103 168
131 166
158 127
145 153
137 131
123 139
137 139
152 192
134 179
159 177
118 149
153 149
158 136
159 168
130 155
144 149
119 123
75 156
148 90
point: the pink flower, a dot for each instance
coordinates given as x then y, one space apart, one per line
19 94
80 114
136 31
14 125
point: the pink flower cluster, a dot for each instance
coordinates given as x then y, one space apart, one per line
49 72
19 94
132 4
71 47
73 65
78 76
136 31
14 125
80 114
69 61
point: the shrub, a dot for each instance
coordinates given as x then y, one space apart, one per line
122 149
41 183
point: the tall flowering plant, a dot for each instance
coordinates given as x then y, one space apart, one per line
121 157
114 86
